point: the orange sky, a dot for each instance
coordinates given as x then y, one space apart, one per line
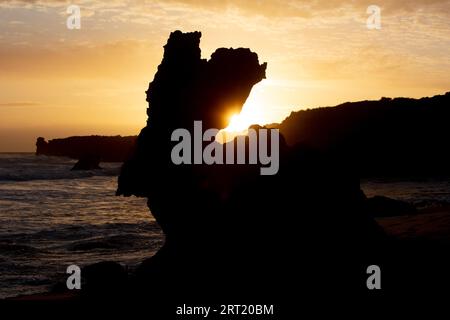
56 82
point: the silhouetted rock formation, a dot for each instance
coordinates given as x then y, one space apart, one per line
187 88
87 162
105 148
230 232
389 137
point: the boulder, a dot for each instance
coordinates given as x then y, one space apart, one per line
87 162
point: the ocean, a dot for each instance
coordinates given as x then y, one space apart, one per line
422 192
51 217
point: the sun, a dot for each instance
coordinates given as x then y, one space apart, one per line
250 114
237 125
238 122
253 112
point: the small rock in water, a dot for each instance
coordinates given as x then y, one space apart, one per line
88 162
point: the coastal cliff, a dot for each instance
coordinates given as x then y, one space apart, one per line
388 137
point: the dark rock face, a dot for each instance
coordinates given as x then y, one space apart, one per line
196 89
380 206
230 232
103 280
109 149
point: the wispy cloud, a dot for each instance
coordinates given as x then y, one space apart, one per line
19 104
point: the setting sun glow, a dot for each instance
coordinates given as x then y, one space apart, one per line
254 111
238 123
57 82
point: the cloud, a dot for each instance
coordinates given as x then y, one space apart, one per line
270 8
114 59
311 8
19 104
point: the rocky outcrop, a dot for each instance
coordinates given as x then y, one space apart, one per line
231 232
380 206
102 280
105 148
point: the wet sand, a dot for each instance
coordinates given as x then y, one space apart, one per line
432 224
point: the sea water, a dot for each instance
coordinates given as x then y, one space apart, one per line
51 217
